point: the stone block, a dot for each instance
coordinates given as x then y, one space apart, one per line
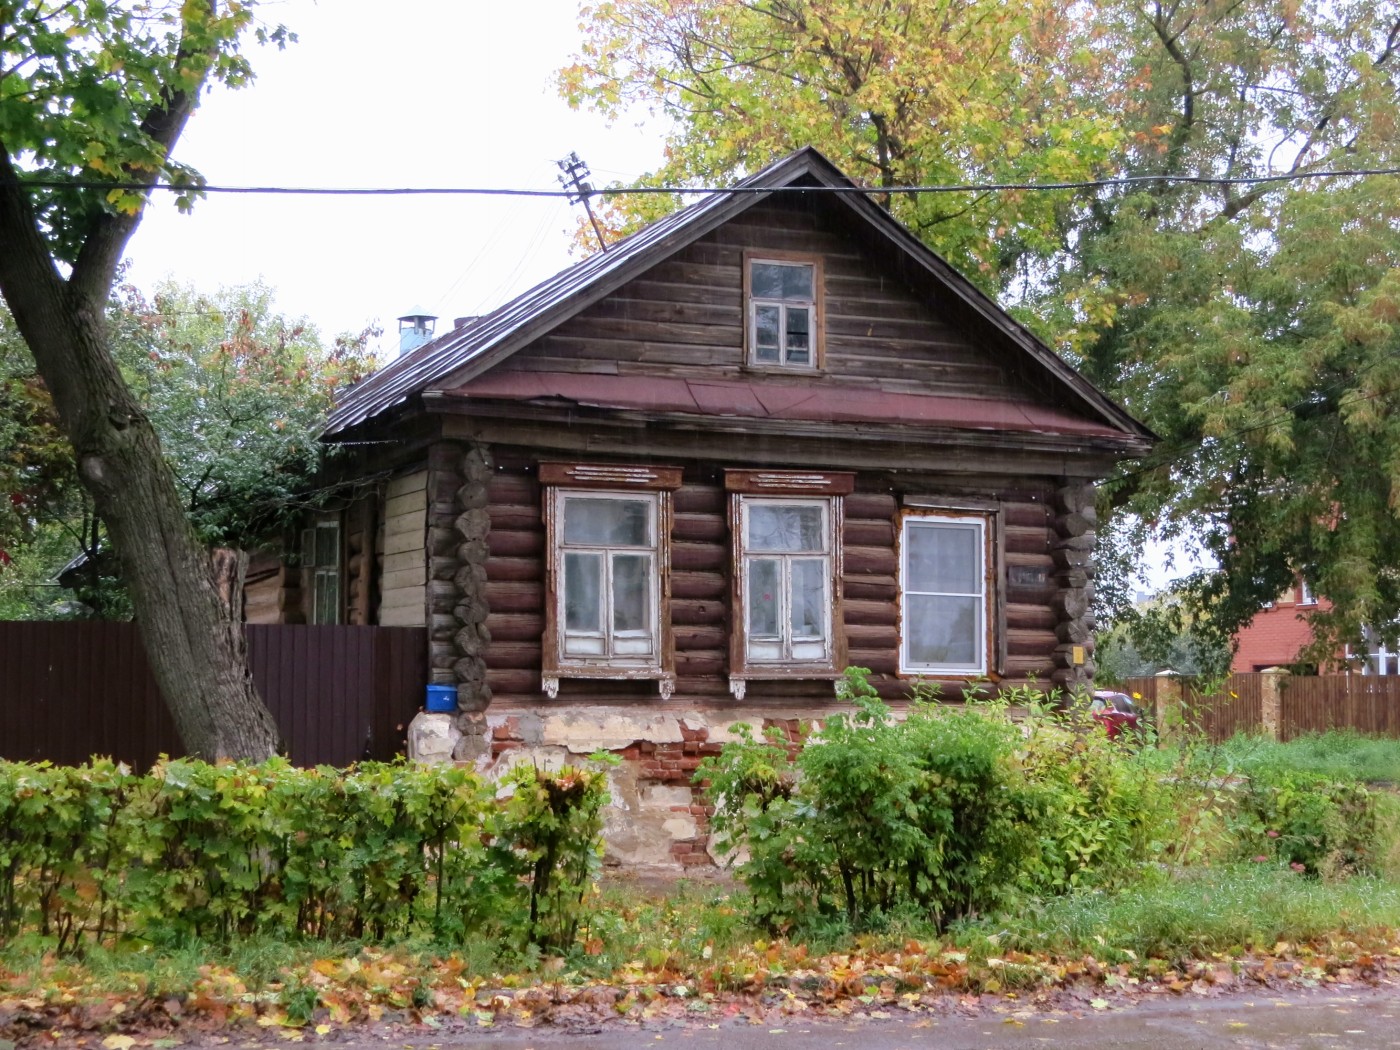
681 826
586 730
665 796
433 738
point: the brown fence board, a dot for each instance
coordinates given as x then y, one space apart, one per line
339 694
1307 704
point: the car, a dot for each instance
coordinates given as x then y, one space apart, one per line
1114 711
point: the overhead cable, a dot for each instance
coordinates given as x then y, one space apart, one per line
40 182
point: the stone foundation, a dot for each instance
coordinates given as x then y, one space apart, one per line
656 821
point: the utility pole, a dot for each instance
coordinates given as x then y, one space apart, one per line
573 174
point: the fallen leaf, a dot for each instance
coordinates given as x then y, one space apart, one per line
1099 1004
118 1042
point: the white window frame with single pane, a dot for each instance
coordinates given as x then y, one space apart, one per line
933 596
783 303
588 576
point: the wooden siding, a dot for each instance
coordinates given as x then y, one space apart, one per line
74 689
701 615
685 318
263 589
403 545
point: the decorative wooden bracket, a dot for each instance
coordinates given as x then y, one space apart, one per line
550 684
738 686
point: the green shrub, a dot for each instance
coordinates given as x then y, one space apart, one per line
1316 825
877 814
216 853
1109 809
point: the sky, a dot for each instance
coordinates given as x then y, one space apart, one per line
414 93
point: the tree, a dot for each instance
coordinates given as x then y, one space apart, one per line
237 395
93 94
896 93
1252 326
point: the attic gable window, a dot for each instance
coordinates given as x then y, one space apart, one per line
784 312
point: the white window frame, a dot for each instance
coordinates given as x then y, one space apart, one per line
812 305
610 657
559 663
321 576
1305 594
745 664
982 642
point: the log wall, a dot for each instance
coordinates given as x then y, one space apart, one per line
701 617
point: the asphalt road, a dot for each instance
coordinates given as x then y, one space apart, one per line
1319 1021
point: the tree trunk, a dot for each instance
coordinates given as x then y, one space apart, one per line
196 650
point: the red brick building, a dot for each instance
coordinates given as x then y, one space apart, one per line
1278 632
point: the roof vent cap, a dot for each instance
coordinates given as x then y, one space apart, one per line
415 329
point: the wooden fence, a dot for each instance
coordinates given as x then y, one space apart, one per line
1282 705
69 690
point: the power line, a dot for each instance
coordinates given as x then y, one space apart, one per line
621 191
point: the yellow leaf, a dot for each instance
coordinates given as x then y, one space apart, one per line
323 1029
118 1042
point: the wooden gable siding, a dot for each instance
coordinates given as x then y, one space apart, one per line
700 589
685 318
402 546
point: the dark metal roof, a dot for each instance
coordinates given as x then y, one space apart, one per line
458 356
805 402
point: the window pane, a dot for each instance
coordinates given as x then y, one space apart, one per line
773 527
327 545
944 558
765 580
583 592
798 336
797 282
809 609
327 596
781 281
766 280
631 592
942 631
607 522
767 321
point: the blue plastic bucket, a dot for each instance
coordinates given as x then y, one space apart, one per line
442 699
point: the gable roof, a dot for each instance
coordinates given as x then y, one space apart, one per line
464 353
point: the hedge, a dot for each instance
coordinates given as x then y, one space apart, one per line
379 852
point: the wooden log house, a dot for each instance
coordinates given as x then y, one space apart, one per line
690 480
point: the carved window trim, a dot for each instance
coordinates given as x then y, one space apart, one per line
562 481
930 514
748 488
817 305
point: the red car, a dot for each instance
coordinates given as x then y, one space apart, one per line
1114 711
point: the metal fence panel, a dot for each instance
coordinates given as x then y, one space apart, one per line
340 694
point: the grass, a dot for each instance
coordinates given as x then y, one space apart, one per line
1196 914
1338 754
